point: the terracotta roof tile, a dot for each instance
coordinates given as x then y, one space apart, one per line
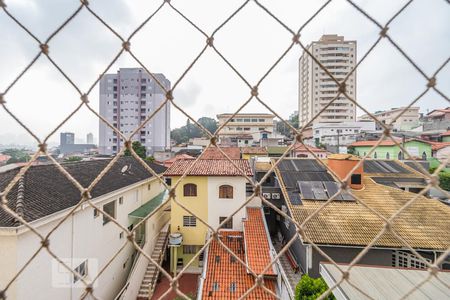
169 162
214 153
257 242
210 167
447 133
222 272
253 150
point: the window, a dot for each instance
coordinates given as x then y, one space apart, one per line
387 155
226 192
215 286
82 270
261 120
95 213
121 235
189 221
189 249
190 190
110 209
149 186
233 287
120 200
375 155
169 181
246 129
424 155
355 179
228 224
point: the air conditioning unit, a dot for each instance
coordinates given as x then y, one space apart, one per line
275 195
266 195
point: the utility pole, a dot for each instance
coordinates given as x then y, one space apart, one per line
338 138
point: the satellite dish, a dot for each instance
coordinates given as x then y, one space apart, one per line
124 169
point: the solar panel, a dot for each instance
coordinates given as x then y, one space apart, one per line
388 166
347 196
319 191
308 165
332 188
295 198
306 190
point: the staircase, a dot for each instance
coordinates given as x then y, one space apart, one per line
151 275
292 277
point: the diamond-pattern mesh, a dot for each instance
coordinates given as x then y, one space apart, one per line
43 48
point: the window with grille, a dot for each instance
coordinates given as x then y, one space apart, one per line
228 224
190 190
226 192
189 221
404 259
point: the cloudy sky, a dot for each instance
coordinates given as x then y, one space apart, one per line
252 41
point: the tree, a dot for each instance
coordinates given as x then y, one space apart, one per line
309 288
284 129
138 148
184 133
17 155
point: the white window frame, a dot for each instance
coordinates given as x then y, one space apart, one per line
189 221
403 259
81 269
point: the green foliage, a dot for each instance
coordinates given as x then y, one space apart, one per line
351 150
309 288
73 159
444 180
138 148
184 133
150 159
284 129
17 155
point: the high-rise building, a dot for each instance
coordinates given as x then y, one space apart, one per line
317 89
66 138
89 138
126 99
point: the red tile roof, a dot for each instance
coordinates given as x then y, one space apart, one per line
257 242
253 150
439 145
222 272
169 162
214 153
210 167
4 158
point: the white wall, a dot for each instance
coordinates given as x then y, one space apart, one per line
224 207
81 236
443 153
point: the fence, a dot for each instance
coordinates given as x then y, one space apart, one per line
44 49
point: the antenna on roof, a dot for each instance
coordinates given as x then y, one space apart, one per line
124 169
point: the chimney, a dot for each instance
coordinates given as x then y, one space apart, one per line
342 165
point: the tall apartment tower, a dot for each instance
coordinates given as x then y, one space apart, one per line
89 138
66 138
317 89
126 99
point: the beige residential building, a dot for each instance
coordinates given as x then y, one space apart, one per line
317 89
257 125
407 121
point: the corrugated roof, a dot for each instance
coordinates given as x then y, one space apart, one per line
210 167
222 271
257 242
214 153
386 282
48 191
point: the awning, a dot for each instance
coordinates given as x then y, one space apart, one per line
148 207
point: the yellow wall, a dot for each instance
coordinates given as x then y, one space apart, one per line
198 205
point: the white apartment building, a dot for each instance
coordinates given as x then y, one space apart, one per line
257 125
126 99
86 241
347 132
407 121
316 88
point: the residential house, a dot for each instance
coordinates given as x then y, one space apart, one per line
438 119
249 152
402 118
440 150
344 227
259 125
212 190
4 159
276 151
445 137
169 162
87 240
301 150
214 153
388 149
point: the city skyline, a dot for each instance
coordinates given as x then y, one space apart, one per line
380 84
